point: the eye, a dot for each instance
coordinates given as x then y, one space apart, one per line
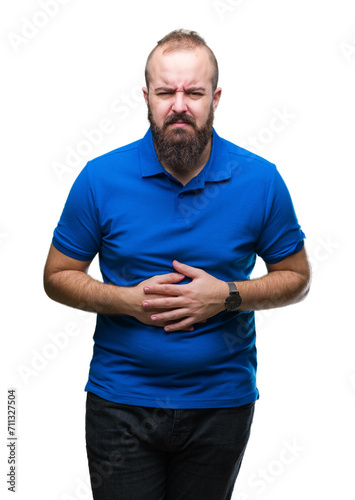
164 94
195 94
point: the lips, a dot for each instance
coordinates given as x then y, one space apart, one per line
179 121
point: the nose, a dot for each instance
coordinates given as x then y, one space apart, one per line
179 104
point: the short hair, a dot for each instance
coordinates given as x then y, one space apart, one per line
186 40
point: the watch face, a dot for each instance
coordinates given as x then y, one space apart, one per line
233 302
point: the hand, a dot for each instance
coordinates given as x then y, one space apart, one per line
134 296
181 306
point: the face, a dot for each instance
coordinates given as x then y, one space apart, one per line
181 105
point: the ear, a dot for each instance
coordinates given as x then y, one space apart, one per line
216 97
146 95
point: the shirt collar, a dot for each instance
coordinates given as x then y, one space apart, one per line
218 167
149 163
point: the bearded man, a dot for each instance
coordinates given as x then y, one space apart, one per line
177 219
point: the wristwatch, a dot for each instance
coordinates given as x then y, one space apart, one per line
233 300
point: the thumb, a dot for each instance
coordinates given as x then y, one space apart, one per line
191 272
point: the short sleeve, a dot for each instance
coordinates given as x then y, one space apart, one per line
281 234
78 232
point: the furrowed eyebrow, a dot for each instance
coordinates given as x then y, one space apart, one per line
191 89
164 89
196 89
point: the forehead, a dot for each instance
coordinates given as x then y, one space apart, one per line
180 67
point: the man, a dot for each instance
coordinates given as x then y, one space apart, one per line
177 219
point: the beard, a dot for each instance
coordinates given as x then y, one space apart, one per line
180 148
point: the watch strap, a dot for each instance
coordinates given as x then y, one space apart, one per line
232 287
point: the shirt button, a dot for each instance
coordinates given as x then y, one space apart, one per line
181 195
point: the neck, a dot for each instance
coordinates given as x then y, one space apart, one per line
185 176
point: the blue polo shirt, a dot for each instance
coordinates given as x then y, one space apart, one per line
127 208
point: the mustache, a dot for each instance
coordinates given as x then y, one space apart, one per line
179 117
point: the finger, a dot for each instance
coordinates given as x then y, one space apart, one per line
185 324
170 316
164 303
169 289
170 278
191 272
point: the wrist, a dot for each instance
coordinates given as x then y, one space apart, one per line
220 294
126 299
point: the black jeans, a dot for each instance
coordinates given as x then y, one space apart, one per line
141 453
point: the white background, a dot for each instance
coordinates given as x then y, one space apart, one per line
83 63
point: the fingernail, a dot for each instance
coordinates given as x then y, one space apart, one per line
146 288
154 318
145 303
